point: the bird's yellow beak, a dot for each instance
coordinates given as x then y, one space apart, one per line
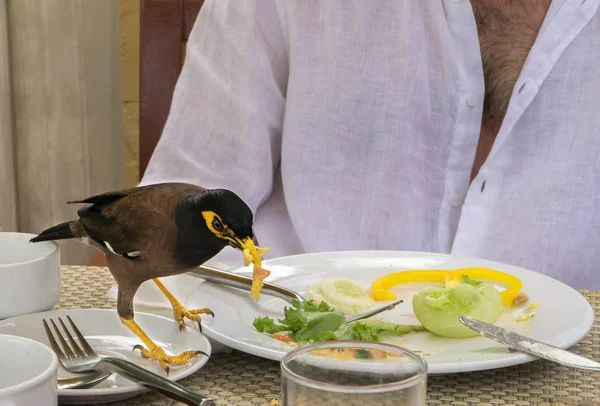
250 252
254 254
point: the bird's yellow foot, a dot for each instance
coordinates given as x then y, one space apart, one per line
153 351
180 312
164 359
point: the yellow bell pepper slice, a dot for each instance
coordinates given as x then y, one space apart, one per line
380 287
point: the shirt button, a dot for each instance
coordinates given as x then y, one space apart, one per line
455 1
472 100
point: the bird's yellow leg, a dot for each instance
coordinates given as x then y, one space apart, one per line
153 351
179 311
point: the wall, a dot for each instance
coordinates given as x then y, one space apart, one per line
60 111
130 95
8 193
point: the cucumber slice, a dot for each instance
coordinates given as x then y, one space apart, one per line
314 293
345 295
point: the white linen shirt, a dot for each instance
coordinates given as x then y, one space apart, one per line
353 125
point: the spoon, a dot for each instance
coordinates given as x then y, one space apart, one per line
82 382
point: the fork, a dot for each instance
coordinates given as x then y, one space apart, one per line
244 282
76 358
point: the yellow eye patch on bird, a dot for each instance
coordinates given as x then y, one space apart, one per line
215 224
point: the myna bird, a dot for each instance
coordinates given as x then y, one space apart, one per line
161 230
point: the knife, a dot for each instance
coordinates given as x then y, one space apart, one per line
530 346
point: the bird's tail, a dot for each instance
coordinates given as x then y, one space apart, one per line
62 231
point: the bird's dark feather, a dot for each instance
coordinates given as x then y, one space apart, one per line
60 231
103 199
102 227
133 219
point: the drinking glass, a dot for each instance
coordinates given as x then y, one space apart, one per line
352 373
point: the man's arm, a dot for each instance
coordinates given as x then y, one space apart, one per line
224 127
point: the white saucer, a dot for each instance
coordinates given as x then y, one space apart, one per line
109 337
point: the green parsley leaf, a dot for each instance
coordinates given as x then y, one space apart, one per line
267 325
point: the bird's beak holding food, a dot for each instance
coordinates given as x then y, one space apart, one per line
254 254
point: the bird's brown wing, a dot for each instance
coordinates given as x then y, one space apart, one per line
128 221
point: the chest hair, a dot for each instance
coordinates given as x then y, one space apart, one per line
507 30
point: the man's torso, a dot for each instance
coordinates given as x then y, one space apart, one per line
386 105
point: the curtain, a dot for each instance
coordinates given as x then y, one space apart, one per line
61 135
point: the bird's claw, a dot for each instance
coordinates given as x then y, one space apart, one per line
180 312
138 347
166 360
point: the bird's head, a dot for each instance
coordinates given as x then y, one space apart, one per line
223 217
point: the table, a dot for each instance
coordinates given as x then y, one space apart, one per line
241 379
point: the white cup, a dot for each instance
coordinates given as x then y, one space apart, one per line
29 275
27 373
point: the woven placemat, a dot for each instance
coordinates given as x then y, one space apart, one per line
244 380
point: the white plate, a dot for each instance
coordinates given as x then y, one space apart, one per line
563 317
109 337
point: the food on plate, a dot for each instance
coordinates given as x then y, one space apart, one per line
380 287
342 294
355 353
520 299
321 323
525 316
438 308
259 273
528 313
386 328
